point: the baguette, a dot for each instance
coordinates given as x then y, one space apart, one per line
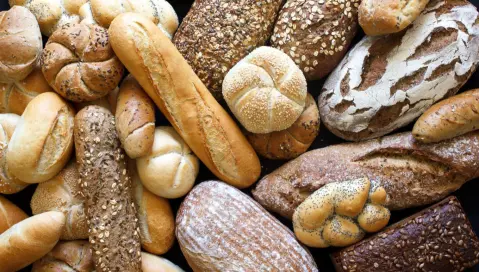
105 184
181 96
9 214
449 118
412 173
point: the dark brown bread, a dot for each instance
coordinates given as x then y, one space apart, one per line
412 173
106 186
216 34
439 238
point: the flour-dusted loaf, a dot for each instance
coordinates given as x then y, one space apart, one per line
217 34
412 173
219 228
386 82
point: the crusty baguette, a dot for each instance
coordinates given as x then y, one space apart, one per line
449 118
10 214
106 186
168 79
29 240
412 173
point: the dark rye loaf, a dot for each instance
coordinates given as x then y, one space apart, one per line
217 34
412 173
386 82
439 238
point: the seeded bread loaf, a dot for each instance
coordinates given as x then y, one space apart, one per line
439 238
106 186
216 34
316 34
412 173
386 82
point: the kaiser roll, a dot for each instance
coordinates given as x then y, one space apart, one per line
266 91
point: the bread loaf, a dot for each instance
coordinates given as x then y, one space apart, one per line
79 63
171 83
215 35
439 238
105 184
380 17
221 229
52 14
62 193
10 214
152 263
135 119
66 256
316 34
103 12
265 91
293 141
386 82
449 118
21 44
43 139
29 240
412 173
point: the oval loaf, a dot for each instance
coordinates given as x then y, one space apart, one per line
221 229
386 82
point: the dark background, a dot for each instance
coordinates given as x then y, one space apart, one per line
467 194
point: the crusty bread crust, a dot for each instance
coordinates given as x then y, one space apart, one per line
10 214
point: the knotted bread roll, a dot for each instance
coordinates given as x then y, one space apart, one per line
340 213
79 63
266 91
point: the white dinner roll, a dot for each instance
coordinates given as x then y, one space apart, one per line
171 167
266 91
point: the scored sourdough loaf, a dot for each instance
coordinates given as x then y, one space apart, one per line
412 173
215 35
181 96
219 228
386 82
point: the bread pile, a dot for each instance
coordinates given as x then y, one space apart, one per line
135 137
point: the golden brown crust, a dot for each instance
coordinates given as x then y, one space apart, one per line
9 214
66 256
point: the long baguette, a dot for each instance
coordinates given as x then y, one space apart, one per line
181 96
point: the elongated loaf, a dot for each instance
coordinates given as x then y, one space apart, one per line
412 173
113 226
181 96
9 214
221 229
386 82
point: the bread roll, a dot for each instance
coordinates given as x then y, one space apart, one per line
66 256
380 17
29 240
135 118
10 214
79 63
171 83
43 139
265 91
15 96
52 14
152 263
102 12
449 118
316 34
21 44
340 213
113 226
62 193
293 141
9 184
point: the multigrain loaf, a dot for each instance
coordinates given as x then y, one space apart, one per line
265 91
181 96
412 173
219 228
9 214
316 34
106 185
215 35
386 82
67 256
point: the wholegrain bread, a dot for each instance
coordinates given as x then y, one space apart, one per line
9 214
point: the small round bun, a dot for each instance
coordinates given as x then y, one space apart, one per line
66 256
10 214
79 63
266 91
171 167
152 263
